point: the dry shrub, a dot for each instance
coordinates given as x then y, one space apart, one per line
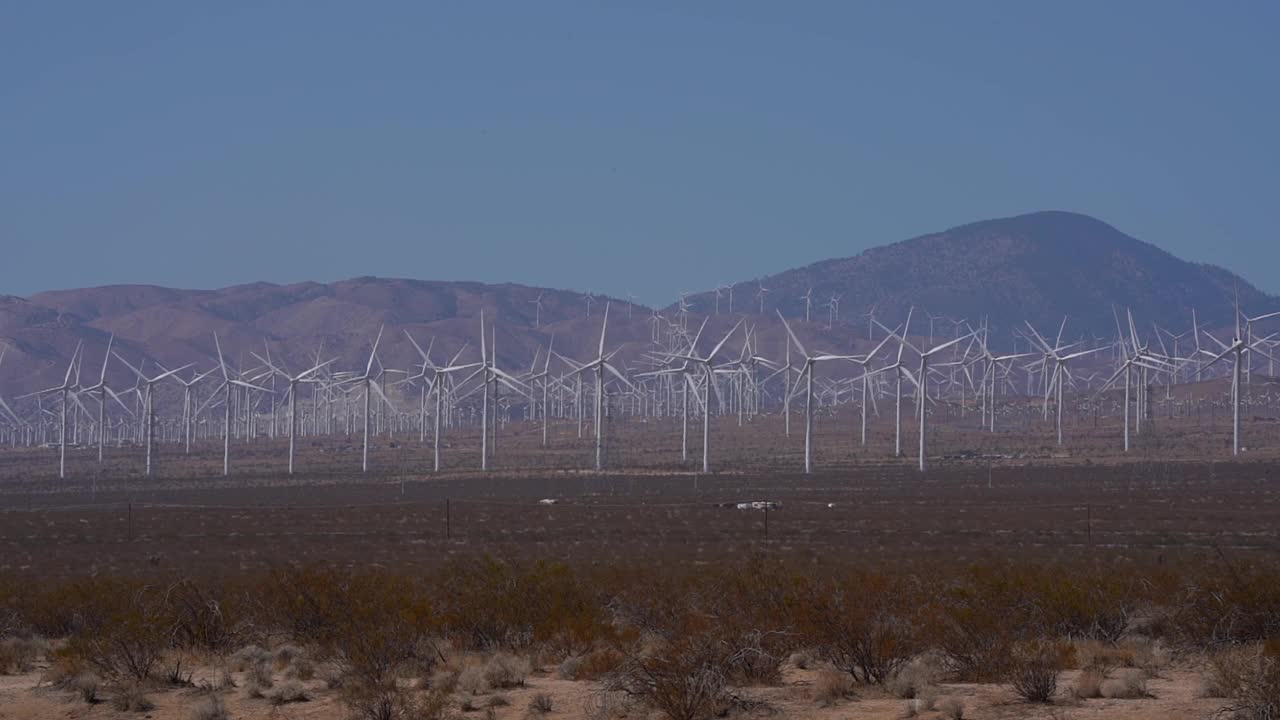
210 707
541 704
472 680
1129 684
499 701
831 687
289 692
247 657
503 671
443 680
258 679
1033 669
131 697
606 705
925 702
865 625
912 679
198 616
19 654
758 660
951 708
301 669
1240 606
122 634
392 702
597 664
86 686
570 668
683 678
1089 685
1250 679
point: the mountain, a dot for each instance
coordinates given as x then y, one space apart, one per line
175 327
1036 267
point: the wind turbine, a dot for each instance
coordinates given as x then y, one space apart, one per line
807 297
1237 349
600 365
227 383
760 293
709 374
806 376
150 402
922 384
294 381
64 390
537 311
1059 369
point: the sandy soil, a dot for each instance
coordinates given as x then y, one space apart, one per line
1174 695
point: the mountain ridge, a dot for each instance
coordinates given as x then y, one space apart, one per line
1034 267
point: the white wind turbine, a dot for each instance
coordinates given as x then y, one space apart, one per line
436 385
760 293
1055 384
537 311
149 401
294 381
922 385
807 297
370 386
227 383
188 410
709 374
600 365
103 391
63 390
806 376
1238 348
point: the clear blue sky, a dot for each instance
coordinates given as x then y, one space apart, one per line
608 146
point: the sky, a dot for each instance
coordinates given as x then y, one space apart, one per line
645 147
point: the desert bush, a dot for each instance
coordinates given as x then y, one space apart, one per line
570 667
594 665
289 692
210 707
504 671
1089 684
86 686
19 654
831 687
913 678
122 635
246 657
301 669
131 697
1250 679
865 625
541 704
259 677
951 708
759 658
1241 606
198 616
1129 684
1033 670
472 680
684 678
498 701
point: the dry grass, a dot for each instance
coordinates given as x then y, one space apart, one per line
832 687
1128 684
210 707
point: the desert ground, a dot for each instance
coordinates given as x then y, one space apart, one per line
1177 502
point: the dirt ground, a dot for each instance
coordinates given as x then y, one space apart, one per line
1173 694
